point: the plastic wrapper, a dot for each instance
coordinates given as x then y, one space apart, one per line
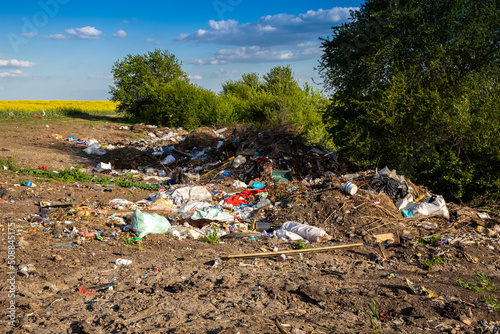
433 206
212 213
310 233
184 195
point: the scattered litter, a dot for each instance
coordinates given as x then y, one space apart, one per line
123 262
432 206
349 188
483 215
420 290
212 213
311 233
103 167
389 183
149 223
168 160
65 245
281 176
81 289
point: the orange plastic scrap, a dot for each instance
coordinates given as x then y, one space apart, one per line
86 291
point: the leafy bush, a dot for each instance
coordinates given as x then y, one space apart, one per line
415 87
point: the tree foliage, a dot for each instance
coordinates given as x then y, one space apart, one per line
136 76
153 88
276 99
415 86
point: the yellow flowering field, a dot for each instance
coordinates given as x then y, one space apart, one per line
55 107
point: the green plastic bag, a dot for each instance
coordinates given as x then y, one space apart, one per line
149 223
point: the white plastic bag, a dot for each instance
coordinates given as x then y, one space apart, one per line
95 148
168 160
287 235
239 161
185 195
239 184
404 202
311 233
433 206
104 166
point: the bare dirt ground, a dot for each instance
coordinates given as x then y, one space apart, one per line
190 286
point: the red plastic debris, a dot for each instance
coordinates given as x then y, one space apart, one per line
86 291
42 167
383 315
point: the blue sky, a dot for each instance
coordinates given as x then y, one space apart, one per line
65 49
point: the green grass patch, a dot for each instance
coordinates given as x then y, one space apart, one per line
428 264
484 285
374 317
299 244
492 302
212 237
428 241
75 174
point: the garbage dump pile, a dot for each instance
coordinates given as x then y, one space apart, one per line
268 190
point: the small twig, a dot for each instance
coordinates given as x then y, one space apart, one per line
329 216
358 206
57 300
381 250
280 327
377 226
377 219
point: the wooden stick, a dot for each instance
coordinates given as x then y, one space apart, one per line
297 251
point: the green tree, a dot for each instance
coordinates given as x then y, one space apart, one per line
415 86
136 76
179 103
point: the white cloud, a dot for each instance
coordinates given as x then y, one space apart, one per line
152 41
57 36
87 32
100 77
271 30
120 34
195 77
257 54
266 28
16 63
13 74
2 88
222 73
223 25
125 21
29 34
